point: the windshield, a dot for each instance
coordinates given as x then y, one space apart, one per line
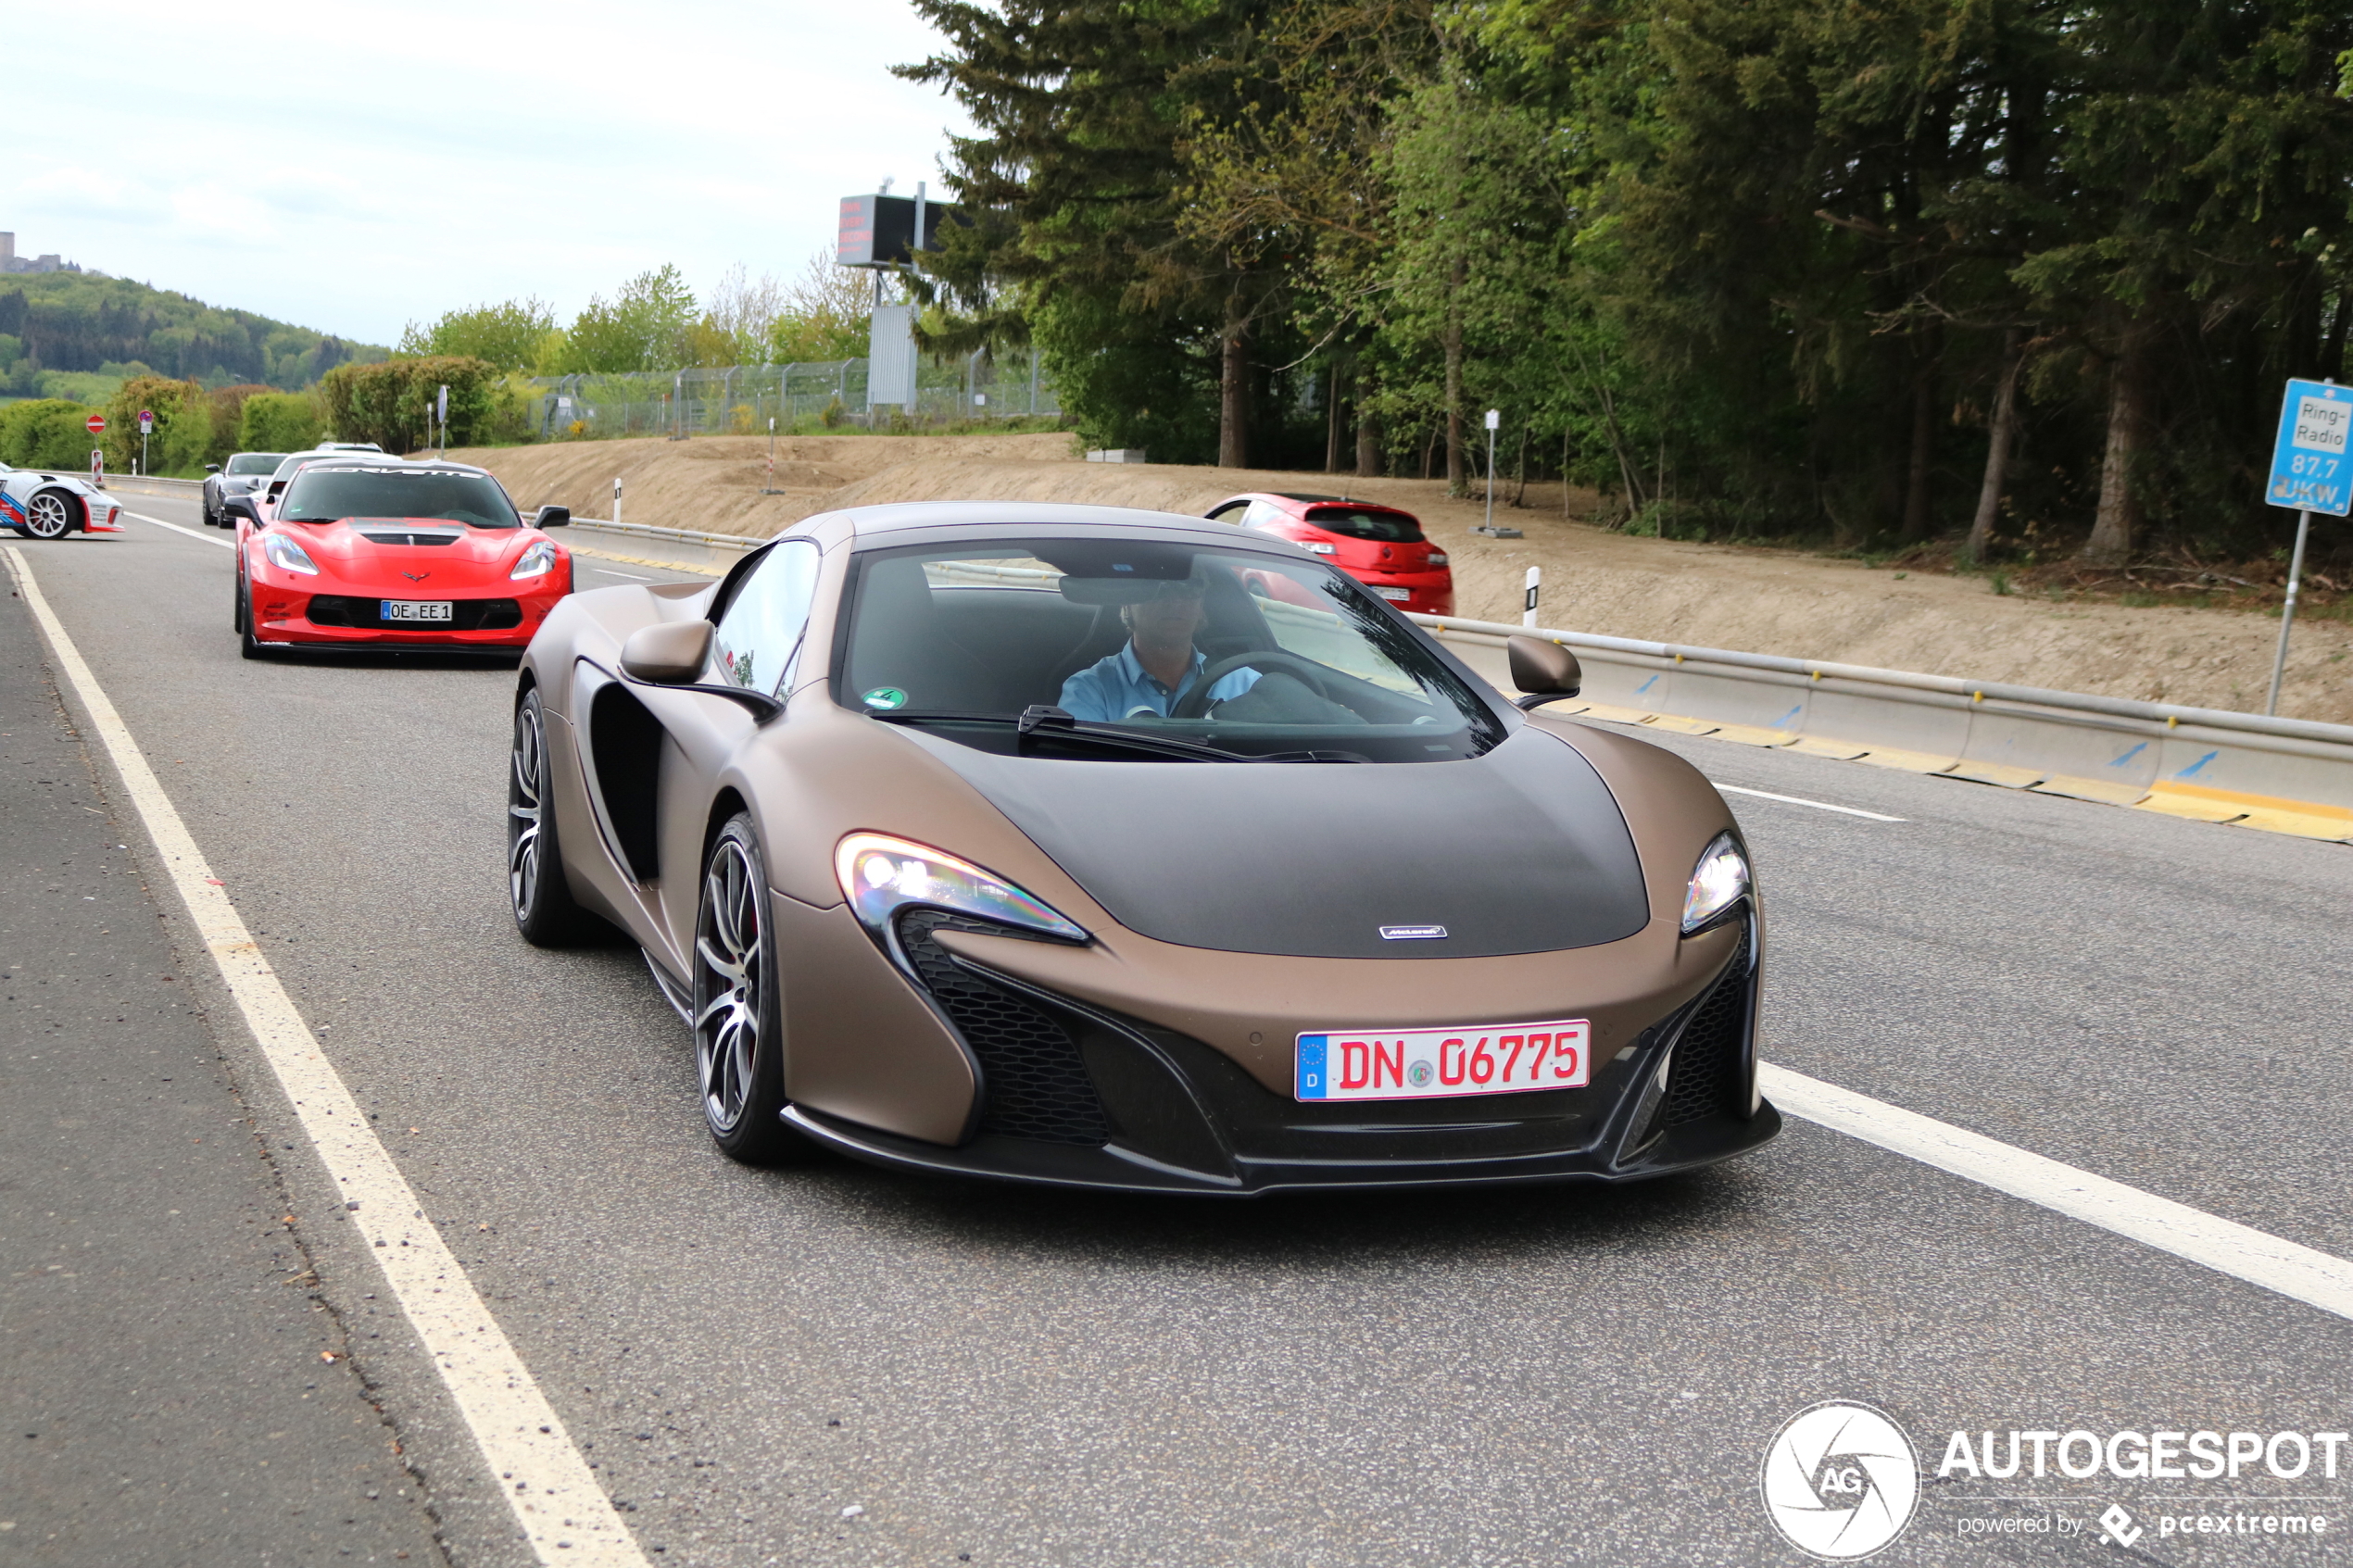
321 495
1161 641
254 462
1384 528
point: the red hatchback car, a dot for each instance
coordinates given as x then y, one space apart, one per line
1380 546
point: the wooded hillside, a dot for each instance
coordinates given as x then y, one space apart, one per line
75 321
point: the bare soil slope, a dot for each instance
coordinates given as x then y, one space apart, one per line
1756 600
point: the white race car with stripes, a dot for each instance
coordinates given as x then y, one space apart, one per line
46 504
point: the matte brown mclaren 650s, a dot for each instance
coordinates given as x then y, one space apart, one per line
1121 850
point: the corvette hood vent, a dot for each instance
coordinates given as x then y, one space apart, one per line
408 536
1522 850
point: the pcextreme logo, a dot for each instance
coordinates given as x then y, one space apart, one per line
1840 1481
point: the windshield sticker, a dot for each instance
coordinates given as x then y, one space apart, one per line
885 697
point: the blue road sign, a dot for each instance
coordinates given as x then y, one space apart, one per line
2311 467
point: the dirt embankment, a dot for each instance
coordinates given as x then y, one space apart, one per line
1728 596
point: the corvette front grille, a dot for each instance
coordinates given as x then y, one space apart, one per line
1705 1079
465 615
1036 1084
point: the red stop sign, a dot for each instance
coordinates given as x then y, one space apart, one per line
95 424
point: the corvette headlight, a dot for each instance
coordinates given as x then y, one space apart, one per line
881 875
1720 882
288 555
537 561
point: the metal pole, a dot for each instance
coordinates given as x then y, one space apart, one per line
2287 612
1490 477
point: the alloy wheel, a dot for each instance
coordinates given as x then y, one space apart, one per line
523 808
727 982
46 517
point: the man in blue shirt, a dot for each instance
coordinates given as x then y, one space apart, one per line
1152 673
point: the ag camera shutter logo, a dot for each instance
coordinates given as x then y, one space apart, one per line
1841 1480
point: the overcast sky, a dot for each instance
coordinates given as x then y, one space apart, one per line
351 167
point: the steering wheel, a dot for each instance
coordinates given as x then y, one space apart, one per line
1194 704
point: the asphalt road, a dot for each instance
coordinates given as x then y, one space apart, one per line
1003 1376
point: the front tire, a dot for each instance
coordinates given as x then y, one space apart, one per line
738 1013
248 646
49 515
545 911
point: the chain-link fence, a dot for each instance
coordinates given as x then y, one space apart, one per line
741 399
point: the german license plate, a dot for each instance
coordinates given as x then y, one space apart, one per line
1394 596
1486 1058
415 609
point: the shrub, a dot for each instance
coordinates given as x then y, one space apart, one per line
391 404
278 422
184 425
45 433
227 406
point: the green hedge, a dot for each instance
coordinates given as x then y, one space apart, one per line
391 404
45 433
278 422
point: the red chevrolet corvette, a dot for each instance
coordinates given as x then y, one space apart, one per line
383 553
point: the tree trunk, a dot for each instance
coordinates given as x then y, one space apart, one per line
1923 441
2332 351
1331 425
1233 388
1454 386
2117 522
1368 453
1997 451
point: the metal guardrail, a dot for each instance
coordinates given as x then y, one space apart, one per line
152 484
2291 776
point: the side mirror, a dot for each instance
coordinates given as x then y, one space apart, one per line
239 506
1545 670
669 655
212 467
552 517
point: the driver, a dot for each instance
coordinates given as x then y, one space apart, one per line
1150 675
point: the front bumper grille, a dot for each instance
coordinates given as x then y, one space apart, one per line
1034 1080
465 615
1710 1077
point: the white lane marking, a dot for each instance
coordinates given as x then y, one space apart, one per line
1800 800
607 572
2317 1279
563 1511
183 528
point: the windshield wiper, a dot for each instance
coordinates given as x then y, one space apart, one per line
1054 721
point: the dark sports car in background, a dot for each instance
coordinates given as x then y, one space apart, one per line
1382 548
389 554
244 473
917 907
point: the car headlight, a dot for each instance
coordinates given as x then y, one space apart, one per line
288 555
1720 884
537 561
881 875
